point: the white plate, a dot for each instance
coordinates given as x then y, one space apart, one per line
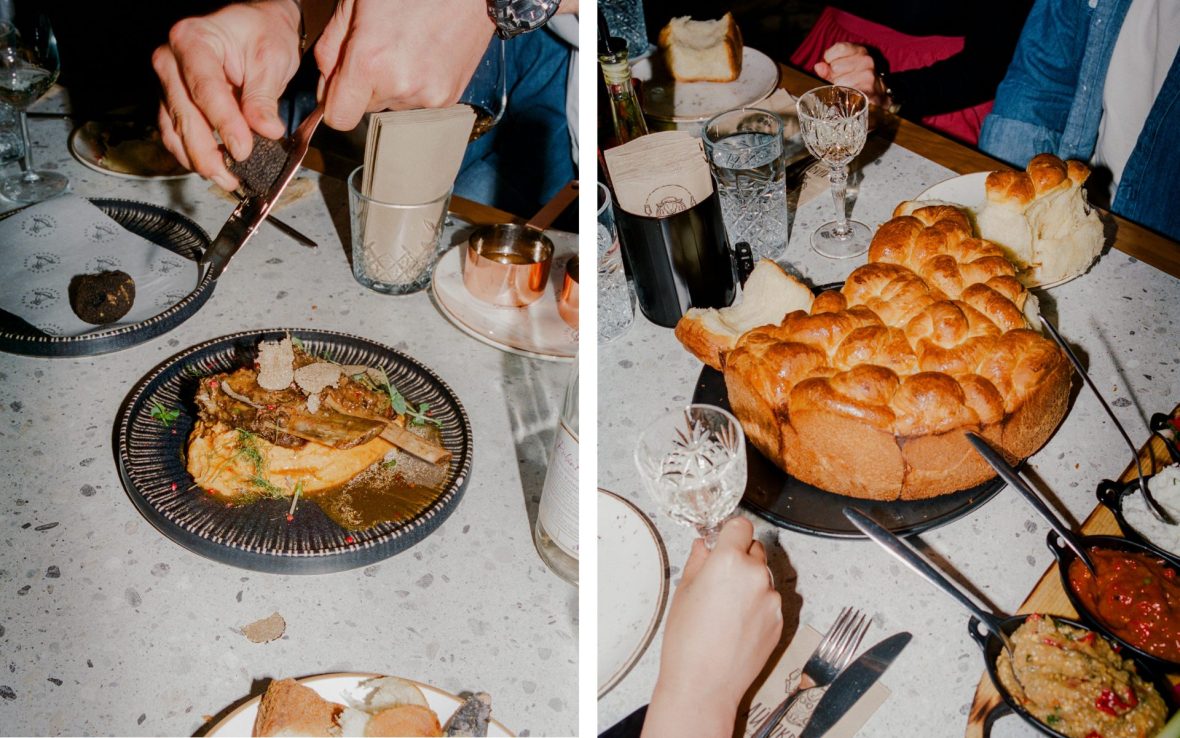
630 605
966 190
536 331
333 687
970 191
84 146
668 100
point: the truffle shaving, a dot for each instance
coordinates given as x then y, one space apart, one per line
276 361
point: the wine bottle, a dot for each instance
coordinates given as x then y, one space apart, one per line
556 533
624 103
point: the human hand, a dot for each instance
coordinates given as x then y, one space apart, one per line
397 55
223 73
851 65
724 621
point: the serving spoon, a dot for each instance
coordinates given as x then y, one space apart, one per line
1156 509
1013 478
916 561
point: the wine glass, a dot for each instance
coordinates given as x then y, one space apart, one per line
29 66
487 91
693 461
834 122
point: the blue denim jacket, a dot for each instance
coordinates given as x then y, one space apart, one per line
1051 100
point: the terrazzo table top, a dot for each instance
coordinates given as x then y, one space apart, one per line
108 627
1122 315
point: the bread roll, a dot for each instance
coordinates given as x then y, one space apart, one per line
702 51
290 709
768 295
409 721
868 391
1042 220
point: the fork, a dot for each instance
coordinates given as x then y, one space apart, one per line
832 654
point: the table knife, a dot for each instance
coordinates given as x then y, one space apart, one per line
252 210
852 683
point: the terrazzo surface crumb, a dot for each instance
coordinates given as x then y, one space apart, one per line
141 632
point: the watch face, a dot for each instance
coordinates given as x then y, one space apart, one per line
514 17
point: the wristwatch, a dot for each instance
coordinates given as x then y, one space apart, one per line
514 17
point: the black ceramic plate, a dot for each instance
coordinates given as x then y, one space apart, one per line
258 536
789 503
159 225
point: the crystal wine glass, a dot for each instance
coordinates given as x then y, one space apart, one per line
29 66
487 92
834 122
693 461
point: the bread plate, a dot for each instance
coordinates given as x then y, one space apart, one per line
333 687
258 536
536 331
144 158
686 102
630 607
969 191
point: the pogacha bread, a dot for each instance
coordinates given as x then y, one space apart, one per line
868 393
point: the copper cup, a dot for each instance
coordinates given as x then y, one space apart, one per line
567 302
507 264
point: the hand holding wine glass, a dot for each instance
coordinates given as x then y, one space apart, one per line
29 66
834 123
694 463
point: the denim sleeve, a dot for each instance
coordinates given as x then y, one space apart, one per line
1034 100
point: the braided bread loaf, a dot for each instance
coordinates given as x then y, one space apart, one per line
868 393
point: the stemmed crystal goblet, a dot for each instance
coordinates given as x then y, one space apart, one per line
834 122
693 461
29 65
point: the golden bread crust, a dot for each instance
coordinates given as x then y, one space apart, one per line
404 720
869 393
291 708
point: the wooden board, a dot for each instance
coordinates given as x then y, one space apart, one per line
1049 596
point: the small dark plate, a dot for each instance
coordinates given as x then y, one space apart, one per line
159 225
151 463
789 503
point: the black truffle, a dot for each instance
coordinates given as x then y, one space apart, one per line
102 298
261 168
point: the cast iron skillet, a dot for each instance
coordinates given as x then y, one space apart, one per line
1067 545
985 628
1111 493
1065 557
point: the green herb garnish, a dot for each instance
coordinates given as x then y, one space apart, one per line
389 464
163 414
402 406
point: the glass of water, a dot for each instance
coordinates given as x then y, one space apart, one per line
624 18
834 123
745 150
693 461
616 305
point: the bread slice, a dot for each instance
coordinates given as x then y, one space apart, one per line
290 709
404 720
702 51
382 693
768 296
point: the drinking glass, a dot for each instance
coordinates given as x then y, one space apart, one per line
487 92
29 66
616 306
624 18
834 122
745 150
693 461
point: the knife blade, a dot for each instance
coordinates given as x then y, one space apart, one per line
852 683
252 210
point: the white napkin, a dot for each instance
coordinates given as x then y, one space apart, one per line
44 246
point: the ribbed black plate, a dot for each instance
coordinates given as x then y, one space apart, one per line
795 505
159 225
257 536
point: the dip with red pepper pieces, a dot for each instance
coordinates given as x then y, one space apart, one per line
1073 681
1134 595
